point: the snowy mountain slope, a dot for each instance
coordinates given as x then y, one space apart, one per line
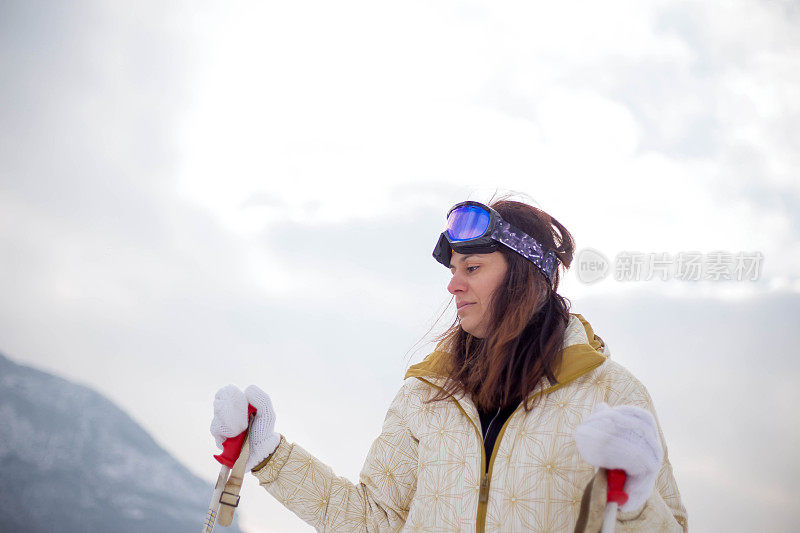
71 461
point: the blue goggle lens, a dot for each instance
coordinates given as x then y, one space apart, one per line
467 222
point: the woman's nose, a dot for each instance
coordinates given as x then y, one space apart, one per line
456 284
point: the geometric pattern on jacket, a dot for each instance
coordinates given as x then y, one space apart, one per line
426 469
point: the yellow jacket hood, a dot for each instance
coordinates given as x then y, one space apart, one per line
583 351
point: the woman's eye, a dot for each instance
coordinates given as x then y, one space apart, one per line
468 268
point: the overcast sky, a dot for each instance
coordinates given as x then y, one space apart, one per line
195 194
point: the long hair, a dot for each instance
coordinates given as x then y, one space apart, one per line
527 322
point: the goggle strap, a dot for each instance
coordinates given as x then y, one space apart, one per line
528 247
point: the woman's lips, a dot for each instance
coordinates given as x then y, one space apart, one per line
462 306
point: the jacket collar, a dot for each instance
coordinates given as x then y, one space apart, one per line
583 351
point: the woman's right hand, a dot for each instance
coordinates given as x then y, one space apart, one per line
230 414
230 419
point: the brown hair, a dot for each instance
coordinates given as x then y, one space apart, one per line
527 322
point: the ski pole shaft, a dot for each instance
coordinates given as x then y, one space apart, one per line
231 449
610 518
213 507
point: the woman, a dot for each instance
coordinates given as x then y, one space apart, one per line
460 450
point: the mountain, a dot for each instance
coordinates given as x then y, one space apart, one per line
71 461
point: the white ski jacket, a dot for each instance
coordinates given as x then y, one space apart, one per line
427 470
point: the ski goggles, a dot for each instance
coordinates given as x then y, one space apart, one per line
474 228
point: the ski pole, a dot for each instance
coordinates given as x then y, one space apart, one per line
231 449
616 496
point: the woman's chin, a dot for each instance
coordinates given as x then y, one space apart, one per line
472 330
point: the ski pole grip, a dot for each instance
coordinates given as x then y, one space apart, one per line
232 446
616 484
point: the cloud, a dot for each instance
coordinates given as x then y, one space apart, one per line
397 246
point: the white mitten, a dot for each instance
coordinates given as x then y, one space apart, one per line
623 437
263 439
230 414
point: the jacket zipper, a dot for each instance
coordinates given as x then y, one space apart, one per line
483 495
483 492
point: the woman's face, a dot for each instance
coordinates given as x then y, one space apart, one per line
475 278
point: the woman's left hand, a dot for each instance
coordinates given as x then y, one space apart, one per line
623 437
